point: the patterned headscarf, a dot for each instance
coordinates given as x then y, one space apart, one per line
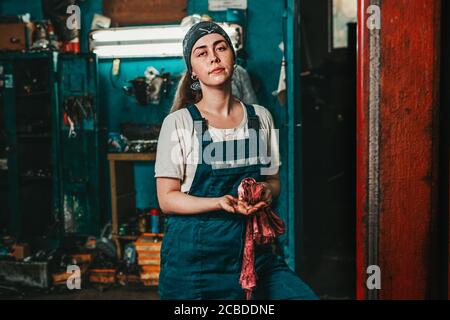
197 31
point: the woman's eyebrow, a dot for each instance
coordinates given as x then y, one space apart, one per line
214 44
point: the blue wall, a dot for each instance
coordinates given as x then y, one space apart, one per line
263 35
121 108
14 7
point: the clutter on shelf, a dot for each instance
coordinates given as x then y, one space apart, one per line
135 138
145 221
57 12
94 257
150 88
35 36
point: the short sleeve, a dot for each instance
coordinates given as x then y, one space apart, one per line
169 154
272 139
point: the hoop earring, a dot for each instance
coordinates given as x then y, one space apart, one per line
195 86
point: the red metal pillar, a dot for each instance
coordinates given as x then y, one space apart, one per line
398 69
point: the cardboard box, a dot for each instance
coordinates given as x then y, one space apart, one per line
16 36
21 251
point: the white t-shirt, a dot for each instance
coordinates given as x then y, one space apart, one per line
177 152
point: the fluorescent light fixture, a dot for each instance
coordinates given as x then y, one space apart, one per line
139 50
151 41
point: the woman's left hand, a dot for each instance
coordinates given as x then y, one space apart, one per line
267 194
244 208
266 198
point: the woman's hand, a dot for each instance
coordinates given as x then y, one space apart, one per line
234 205
244 208
267 196
265 201
231 204
227 203
173 201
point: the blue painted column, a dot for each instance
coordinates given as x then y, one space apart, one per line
293 159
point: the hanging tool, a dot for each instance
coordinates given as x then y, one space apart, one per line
76 109
72 133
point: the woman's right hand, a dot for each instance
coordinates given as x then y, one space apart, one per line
234 205
227 203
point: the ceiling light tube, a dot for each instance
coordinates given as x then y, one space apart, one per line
150 41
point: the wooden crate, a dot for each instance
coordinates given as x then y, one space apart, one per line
103 276
148 257
149 261
150 282
147 244
138 12
128 278
21 251
150 275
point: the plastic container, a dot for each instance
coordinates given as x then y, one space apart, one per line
154 220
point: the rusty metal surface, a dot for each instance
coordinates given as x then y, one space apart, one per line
397 110
373 183
362 149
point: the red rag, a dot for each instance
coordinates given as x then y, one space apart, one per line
262 228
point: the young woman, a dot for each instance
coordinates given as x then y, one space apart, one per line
201 254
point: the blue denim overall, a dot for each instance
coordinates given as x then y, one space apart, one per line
201 255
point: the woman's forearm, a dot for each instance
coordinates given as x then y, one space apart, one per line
177 202
274 184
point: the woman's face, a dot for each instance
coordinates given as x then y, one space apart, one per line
212 60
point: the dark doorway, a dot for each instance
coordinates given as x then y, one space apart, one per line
326 257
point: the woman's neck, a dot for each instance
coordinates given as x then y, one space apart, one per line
216 100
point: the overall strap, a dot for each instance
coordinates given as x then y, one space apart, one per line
195 114
197 117
253 123
253 119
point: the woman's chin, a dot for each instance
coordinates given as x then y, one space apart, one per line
218 80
